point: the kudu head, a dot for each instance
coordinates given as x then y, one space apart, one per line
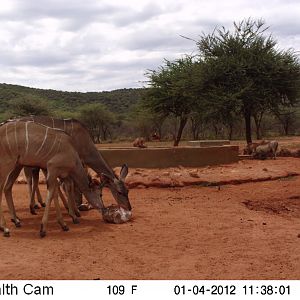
96 193
117 186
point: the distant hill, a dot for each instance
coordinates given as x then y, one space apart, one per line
119 101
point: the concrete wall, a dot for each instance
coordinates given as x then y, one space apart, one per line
208 143
171 157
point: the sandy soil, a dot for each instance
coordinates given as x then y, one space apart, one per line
244 231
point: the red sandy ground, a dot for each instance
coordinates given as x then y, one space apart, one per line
241 231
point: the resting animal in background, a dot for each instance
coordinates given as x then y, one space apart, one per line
155 136
139 143
251 147
266 150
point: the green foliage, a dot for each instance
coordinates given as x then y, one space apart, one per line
98 119
118 101
245 73
28 105
144 121
173 90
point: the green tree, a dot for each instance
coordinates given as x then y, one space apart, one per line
29 105
145 122
245 68
98 119
172 91
287 118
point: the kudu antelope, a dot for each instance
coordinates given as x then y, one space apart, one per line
25 143
89 155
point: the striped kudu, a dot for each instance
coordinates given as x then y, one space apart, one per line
25 143
89 155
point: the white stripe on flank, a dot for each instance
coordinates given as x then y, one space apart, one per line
59 142
27 139
51 146
7 138
45 137
16 138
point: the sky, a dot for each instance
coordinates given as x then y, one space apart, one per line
97 45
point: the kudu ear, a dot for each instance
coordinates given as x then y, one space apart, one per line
123 172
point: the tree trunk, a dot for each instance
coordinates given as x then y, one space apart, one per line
230 131
257 120
180 130
258 136
247 116
286 127
104 132
216 129
194 129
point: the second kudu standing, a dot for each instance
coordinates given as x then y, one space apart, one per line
30 144
89 155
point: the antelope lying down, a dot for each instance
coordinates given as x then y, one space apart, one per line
30 144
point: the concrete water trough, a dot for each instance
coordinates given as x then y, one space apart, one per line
165 157
208 143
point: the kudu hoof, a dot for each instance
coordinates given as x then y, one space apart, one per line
65 228
43 204
76 221
36 206
16 222
32 211
42 231
6 233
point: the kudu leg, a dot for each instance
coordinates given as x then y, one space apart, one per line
8 194
35 187
76 197
43 228
38 194
52 186
3 226
59 216
5 169
39 197
69 189
63 199
2 220
28 175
